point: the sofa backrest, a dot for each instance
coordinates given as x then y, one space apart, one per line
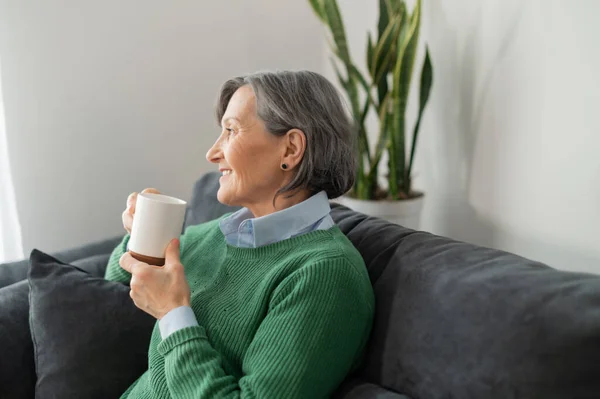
455 320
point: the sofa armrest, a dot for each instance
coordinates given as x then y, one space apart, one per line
13 272
358 389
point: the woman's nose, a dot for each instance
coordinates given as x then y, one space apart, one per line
215 154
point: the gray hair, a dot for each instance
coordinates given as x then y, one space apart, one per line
307 101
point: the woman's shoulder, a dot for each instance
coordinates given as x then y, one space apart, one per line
332 264
339 247
335 251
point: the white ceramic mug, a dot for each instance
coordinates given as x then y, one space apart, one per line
158 219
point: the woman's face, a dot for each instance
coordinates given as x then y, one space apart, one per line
248 156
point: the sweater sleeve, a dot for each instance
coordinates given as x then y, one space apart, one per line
114 271
316 327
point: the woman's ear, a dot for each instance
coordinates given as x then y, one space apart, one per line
294 143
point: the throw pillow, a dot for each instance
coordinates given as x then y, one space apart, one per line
17 370
90 340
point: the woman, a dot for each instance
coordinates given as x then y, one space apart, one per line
272 301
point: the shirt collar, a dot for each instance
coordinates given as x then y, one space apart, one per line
277 225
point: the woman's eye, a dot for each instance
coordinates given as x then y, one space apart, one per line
230 131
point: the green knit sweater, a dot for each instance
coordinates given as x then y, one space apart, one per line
287 320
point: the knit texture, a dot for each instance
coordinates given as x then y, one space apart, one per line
286 320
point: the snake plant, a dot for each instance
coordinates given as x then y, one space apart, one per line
390 61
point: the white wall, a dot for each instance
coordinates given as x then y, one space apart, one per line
509 154
509 146
108 97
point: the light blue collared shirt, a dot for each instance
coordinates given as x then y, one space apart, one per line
241 229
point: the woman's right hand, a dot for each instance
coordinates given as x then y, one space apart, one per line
129 212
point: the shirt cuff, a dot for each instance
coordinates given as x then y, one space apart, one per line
176 320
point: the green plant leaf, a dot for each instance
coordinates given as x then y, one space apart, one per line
369 50
402 78
317 6
384 17
363 115
382 61
426 80
426 83
406 56
382 48
336 25
360 117
352 92
334 19
363 82
404 17
338 73
382 90
395 146
382 141
394 6
390 11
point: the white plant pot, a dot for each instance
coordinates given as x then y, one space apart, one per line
406 213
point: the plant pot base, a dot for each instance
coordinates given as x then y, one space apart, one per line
406 213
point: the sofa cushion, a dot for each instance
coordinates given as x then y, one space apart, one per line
90 340
357 389
455 320
17 369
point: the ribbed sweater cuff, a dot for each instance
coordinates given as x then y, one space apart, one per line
180 337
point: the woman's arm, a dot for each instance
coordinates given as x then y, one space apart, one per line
114 272
318 322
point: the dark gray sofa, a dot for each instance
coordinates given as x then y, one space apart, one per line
453 320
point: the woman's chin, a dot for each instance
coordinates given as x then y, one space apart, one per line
224 197
221 197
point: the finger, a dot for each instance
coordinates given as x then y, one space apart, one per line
131 207
131 200
172 252
135 283
127 262
127 221
133 297
125 218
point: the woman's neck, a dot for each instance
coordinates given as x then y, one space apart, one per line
281 202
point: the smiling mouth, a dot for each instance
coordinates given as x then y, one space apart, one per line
226 172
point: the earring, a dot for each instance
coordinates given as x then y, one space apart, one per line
284 166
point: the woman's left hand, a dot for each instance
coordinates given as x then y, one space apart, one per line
158 289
